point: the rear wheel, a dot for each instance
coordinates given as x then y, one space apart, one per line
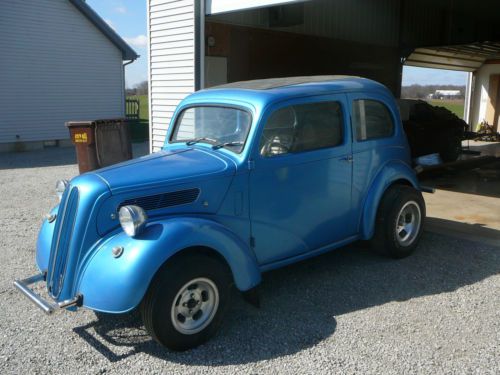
186 301
451 148
399 221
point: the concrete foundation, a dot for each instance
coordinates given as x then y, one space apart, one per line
33 146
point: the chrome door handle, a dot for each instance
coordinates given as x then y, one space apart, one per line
347 158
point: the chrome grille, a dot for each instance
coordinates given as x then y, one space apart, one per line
61 241
154 202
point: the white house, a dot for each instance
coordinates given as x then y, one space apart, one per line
447 94
60 61
198 43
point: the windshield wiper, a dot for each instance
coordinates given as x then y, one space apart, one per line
193 141
220 145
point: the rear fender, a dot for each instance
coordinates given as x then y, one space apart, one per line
391 172
117 285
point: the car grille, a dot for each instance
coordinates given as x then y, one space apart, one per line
61 240
154 202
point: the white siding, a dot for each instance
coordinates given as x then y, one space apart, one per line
171 26
55 66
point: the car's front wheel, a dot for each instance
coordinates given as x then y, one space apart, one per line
186 301
399 221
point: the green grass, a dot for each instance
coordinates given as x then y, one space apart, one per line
140 129
455 106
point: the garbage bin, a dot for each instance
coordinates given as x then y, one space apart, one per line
100 143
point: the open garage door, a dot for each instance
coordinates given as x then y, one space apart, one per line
467 57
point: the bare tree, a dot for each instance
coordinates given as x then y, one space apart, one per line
142 88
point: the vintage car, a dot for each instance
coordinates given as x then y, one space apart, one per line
253 176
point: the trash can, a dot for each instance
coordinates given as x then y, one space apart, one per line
100 143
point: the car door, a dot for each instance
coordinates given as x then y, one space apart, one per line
373 131
300 183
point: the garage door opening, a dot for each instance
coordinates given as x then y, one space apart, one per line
302 38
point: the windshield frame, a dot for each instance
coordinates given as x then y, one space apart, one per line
178 117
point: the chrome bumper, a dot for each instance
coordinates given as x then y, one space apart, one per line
47 307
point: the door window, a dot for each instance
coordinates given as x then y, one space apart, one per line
371 119
302 127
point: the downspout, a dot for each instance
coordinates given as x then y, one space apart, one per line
123 90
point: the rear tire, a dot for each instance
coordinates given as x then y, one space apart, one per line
399 222
451 148
186 301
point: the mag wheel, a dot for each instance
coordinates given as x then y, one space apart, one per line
186 301
399 221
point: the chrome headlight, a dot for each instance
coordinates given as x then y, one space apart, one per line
132 219
61 186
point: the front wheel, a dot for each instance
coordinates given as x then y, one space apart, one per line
399 221
186 301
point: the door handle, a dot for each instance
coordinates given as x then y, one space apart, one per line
347 158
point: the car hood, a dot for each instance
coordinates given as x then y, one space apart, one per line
166 168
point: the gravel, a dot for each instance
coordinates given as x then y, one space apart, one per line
348 311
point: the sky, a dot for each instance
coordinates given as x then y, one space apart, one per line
128 19
424 76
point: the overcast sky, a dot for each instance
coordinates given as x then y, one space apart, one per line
128 18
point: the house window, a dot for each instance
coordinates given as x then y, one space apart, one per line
371 120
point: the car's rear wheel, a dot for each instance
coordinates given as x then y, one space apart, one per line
399 221
186 301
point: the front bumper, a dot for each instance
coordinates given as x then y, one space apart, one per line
47 307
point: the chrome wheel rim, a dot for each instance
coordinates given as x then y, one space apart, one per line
195 306
408 223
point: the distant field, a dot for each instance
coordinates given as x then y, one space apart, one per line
455 106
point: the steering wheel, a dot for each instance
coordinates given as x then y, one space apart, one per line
275 147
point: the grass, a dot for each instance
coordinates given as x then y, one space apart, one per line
455 106
140 129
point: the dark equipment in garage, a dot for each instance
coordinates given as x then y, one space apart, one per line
432 129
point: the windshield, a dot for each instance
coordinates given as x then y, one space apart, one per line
219 126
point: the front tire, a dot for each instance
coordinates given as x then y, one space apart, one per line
399 222
186 301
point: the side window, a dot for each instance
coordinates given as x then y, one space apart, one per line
302 127
371 119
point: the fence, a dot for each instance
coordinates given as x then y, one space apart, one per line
132 109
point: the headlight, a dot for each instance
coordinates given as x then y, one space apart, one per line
132 219
61 185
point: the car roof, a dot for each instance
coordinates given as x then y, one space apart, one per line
264 91
272 83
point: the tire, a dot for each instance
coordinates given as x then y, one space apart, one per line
395 235
186 301
451 149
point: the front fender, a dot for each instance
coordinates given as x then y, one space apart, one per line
118 284
391 172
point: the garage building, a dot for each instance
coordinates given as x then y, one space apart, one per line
60 61
196 44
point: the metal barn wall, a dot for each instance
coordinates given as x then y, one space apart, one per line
365 21
172 59
55 66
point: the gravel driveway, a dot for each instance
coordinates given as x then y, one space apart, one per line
345 312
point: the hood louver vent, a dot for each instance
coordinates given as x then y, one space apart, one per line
154 202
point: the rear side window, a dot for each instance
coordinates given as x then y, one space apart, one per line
302 127
371 120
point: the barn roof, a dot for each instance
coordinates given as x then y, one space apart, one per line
127 52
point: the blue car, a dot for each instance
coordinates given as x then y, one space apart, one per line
253 176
